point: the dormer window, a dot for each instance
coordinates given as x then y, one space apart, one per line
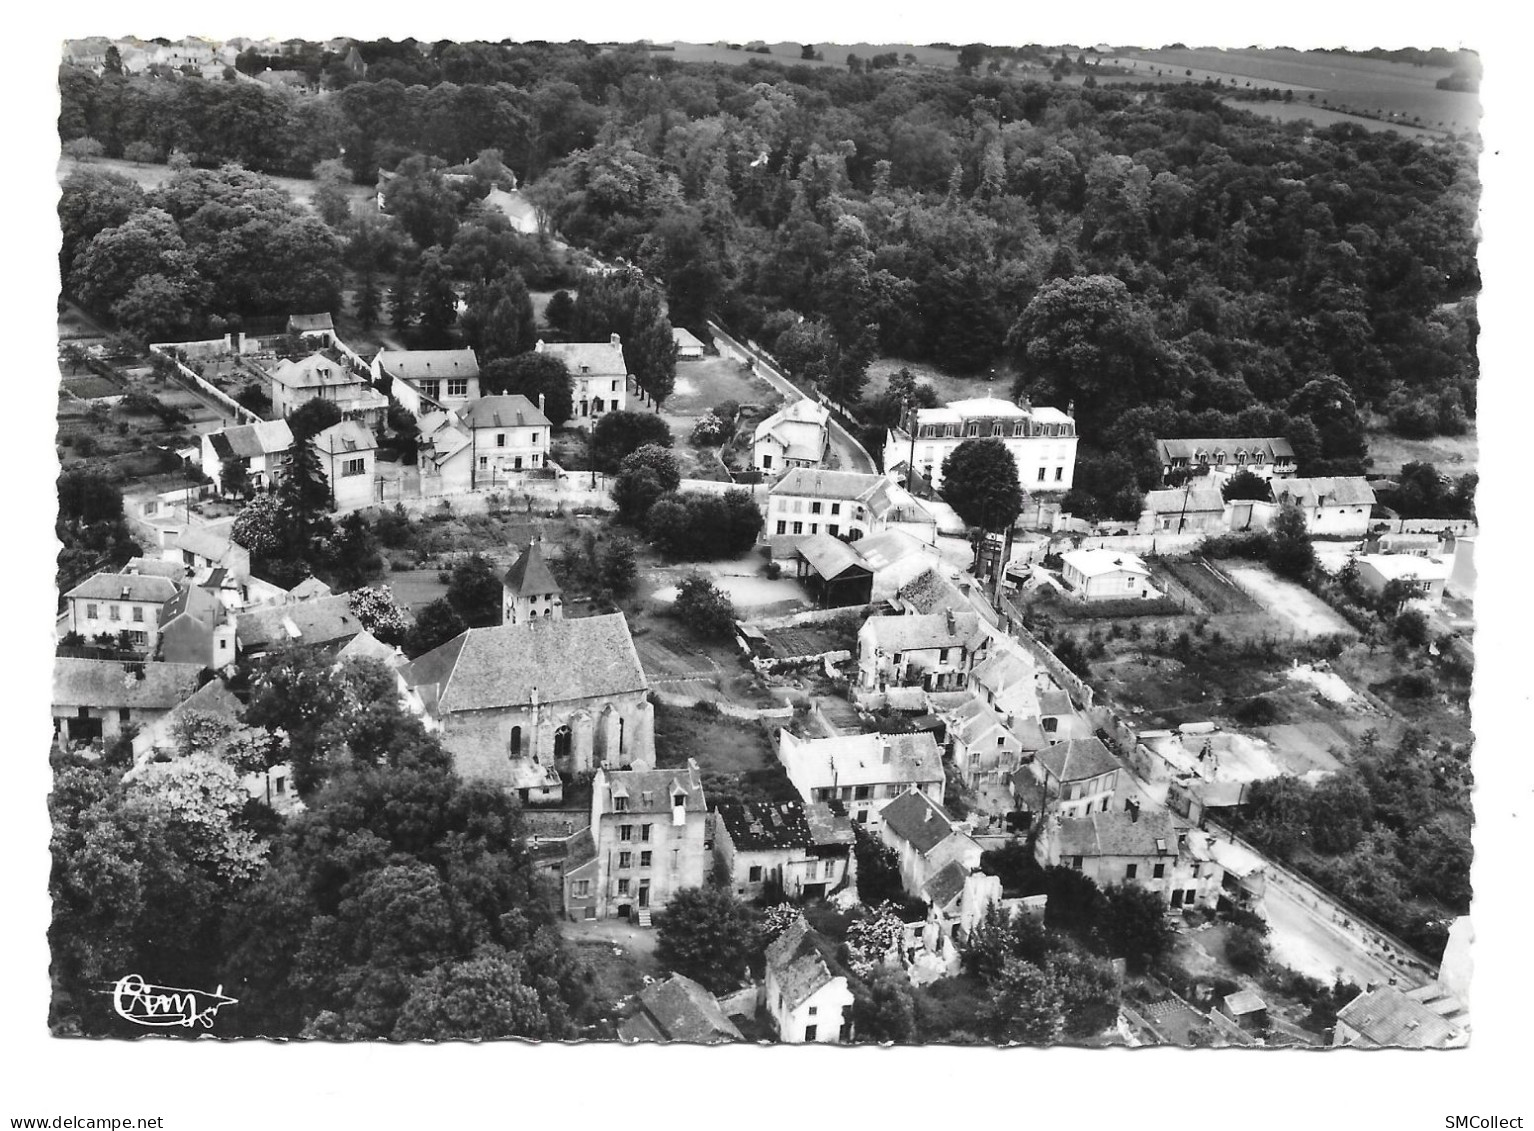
620 804
679 801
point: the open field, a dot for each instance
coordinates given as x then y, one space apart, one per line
1452 455
1322 116
788 54
1399 92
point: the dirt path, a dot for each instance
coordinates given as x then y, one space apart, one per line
1304 612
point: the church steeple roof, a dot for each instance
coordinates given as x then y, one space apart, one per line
530 574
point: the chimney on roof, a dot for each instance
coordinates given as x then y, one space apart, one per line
1134 811
617 341
884 749
953 623
540 402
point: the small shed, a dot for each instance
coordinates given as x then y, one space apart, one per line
833 572
689 347
1246 1009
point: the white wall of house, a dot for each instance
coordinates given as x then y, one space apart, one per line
351 477
817 1020
96 617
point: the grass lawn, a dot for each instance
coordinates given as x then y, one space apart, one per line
949 386
1401 91
701 385
737 758
1451 455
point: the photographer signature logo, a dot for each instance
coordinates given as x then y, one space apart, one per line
142 1003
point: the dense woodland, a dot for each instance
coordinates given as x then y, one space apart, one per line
1167 263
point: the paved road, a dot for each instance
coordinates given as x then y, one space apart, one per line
851 454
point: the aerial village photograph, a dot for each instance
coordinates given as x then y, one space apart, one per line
760 541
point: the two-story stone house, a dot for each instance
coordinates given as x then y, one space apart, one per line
844 504
425 381
646 842
799 849
925 839
935 652
863 771
1147 849
507 434
599 376
1075 778
318 377
806 993
1268 456
109 604
987 746
1338 506
796 436
263 449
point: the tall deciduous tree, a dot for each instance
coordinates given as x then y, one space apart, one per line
980 483
533 375
708 935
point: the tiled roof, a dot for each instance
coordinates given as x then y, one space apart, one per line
976 720
511 410
314 371
580 849
684 337
310 323
1389 1018
205 543
829 556
812 483
1269 446
345 436
308 589
428 365
366 646
559 659
758 825
1055 702
247 440
1244 1001
212 698
1330 491
1119 834
198 601
124 587
679 1009
530 574
156 567
1195 498
112 683
918 820
600 359
1077 759
802 962
1094 563
945 887
932 592
1007 665
934 630
323 620
883 550
651 791
867 759
828 827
